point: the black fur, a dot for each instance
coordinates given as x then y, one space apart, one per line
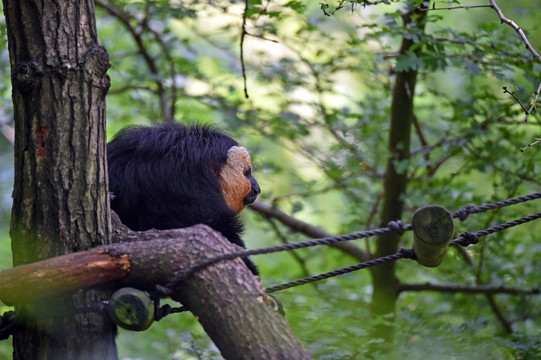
164 177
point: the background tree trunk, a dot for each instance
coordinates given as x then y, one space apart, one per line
395 181
60 197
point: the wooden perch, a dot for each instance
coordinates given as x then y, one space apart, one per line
433 229
227 299
61 274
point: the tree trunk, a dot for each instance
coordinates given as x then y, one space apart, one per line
395 181
60 198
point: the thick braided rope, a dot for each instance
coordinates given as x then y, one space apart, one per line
402 254
464 239
469 209
469 238
394 226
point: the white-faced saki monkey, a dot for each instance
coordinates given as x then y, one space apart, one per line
171 176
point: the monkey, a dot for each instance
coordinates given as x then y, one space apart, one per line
170 176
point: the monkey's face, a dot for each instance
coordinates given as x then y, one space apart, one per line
239 187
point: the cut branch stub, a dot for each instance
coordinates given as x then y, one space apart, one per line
131 309
433 229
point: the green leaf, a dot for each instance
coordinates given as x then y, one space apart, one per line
409 61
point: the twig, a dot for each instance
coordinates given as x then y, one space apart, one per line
527 112
525 40
242 36
506 324
537 141
533 102
456 7
530 49
172 69
520 32
516 98
126 18
262 38
340 5
517 29
366 2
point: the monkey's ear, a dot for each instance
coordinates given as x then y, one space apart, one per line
216 168
235 185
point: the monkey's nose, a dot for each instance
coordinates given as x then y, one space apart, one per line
252 195
256 189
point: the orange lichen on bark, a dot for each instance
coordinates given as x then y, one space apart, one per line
41 136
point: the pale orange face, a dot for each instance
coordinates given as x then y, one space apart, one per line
233 178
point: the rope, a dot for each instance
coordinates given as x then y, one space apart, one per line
469 209
402 254
393 226
167 309
468 238
464 239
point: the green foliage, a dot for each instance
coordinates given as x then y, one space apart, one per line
316 123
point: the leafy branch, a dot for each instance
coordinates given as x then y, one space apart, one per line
127 20
524 38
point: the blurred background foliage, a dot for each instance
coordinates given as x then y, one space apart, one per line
316 123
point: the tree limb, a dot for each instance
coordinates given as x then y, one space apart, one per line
227 299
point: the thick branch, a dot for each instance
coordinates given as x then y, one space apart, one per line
227 299
61 274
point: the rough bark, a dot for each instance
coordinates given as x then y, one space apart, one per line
60 199
227 299
395 181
